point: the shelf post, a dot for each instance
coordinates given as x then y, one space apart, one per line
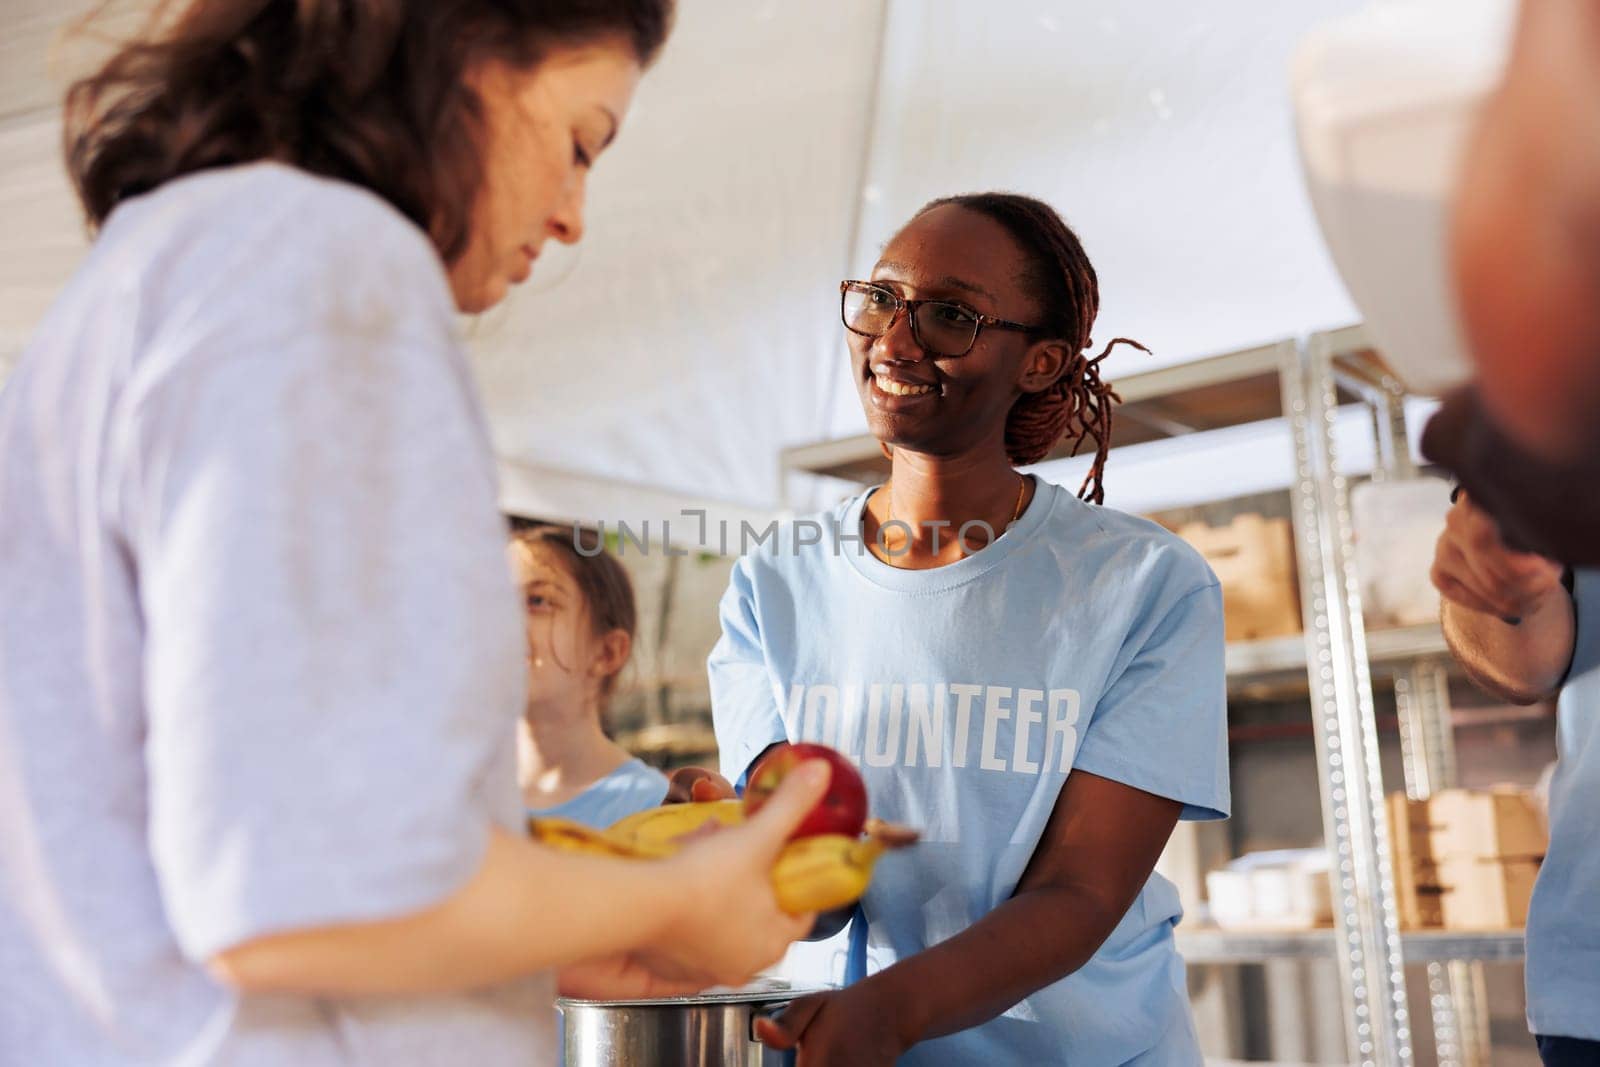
1371 966
1422 701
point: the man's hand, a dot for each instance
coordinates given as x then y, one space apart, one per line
1473 568
1506 615
694 784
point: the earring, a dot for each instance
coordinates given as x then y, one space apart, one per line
888 453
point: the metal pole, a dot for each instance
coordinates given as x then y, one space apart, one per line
1371 966
1422 699
1385 394
1427 744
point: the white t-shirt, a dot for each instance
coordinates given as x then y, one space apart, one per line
259 650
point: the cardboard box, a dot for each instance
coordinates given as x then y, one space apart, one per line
1410 832
1500 823
1464 859
1253 558
1421 907
1418 896
1486 894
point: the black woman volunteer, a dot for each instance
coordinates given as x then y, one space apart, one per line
1044 707
260 656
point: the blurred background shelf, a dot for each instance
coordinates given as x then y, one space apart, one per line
1249 661
1215 946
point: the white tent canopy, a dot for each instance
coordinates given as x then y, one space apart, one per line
771 152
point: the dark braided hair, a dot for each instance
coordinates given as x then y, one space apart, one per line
1061 278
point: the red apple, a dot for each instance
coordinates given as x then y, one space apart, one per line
842 809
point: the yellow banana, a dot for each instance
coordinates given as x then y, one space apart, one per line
659 831
811 874
824 872
649 834
570 836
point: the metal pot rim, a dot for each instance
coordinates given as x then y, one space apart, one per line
714 997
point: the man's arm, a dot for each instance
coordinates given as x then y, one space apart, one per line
1526 236
1526 261
1483 583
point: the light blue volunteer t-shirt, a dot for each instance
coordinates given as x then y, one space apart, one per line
1081 638
1564 917
629 789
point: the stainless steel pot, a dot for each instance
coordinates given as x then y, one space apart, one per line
706 1030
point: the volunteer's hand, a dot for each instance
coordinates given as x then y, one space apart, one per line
1473 568
850 1027
728 924
693 784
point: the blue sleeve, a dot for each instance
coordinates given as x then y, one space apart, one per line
744 705
1162 725
631 788
1586 610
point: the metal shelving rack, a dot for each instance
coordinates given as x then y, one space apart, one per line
1422 700
1419 946
1306 381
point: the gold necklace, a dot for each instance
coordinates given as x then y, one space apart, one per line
888 507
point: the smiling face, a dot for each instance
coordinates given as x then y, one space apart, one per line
948 406
542 130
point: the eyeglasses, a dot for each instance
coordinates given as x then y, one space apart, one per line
941 328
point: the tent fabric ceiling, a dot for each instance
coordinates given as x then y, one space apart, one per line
772 150
689 342
1162 132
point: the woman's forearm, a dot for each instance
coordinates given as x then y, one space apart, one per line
708 910
525 909
1032 940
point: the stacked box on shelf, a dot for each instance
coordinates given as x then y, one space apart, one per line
1465 859
1418 895
1253 558
1488 845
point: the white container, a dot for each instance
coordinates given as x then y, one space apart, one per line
1272 893
1228 894
1397 525
1313 900
1384 101
1285 889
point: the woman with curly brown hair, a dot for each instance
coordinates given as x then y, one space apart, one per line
1033 680
260 658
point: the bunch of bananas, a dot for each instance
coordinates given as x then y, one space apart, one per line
812 874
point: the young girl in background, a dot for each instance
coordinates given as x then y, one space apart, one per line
580 618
